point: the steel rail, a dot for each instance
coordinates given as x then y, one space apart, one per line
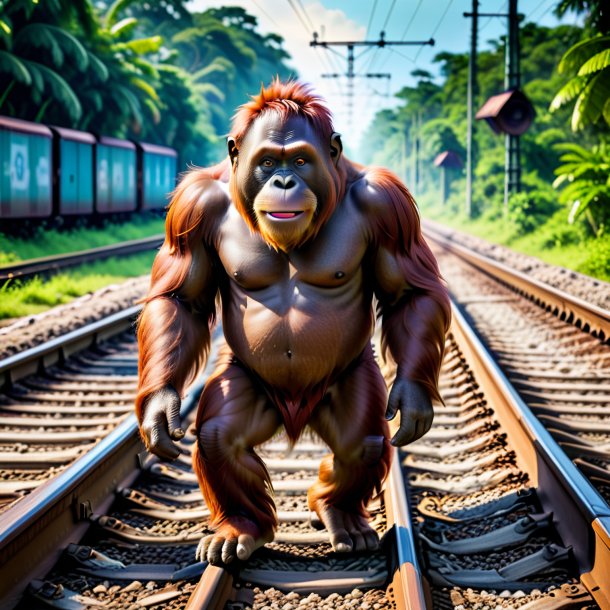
51 264
407 582
588 316
31 531
406 586
57 350
34 532
581 515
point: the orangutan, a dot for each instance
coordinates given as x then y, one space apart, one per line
298 243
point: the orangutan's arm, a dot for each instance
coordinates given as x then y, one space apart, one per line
413 303
174 327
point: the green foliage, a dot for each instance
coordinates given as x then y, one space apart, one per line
590 86
597 262
37 295
46 242
152 72
584 178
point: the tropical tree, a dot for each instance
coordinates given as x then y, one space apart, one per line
36 47
584 178
590 86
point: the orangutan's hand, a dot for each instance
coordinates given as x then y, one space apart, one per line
416 413
161 423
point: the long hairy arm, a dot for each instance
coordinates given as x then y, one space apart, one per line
412 300
174 326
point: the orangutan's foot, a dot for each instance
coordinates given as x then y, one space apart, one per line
348 531
237 537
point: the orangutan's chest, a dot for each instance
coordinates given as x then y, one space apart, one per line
328 260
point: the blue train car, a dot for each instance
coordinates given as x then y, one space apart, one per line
156 175
115 176
26 159
73 191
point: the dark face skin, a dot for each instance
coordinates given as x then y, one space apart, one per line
283 172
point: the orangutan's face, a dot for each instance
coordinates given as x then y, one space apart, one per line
283 176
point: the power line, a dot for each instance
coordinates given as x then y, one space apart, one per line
438 25
536 8
404 34
306 15
385 23
352 44
296 12
368 27
402 55
503 8
262 10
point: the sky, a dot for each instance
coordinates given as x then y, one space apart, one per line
358 20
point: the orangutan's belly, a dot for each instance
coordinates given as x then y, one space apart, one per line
298 345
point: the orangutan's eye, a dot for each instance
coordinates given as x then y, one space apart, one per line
267 163
300 162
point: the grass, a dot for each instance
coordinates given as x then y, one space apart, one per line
48 241
37 295
34 296
554 241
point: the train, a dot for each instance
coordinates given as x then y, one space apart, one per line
54 172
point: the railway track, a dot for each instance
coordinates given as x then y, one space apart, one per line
554 349
52 264
494 515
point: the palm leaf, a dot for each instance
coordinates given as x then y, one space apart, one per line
10 64
154 111
220 65
58 87
131 101
575 212
98 68
93 98
112 14
145 67
591 101
146 87
55 40
6 31
581 151
141 46
596 63
124 27
207 90
570 91
579 53
606 111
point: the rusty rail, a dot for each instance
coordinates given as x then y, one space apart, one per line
581 515
587 316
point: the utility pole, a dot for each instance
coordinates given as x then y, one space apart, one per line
473 91
351 44
512 80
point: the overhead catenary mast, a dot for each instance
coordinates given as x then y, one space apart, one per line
351 44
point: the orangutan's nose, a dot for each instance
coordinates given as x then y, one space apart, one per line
284 181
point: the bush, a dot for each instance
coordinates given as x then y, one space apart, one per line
597 263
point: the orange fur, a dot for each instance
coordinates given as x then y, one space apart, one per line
413 330
173 342
237 412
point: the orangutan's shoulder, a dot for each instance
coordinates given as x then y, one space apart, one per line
201 191
369 192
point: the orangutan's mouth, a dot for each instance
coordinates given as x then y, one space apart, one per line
284 215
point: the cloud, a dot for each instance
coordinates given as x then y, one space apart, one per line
309 62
